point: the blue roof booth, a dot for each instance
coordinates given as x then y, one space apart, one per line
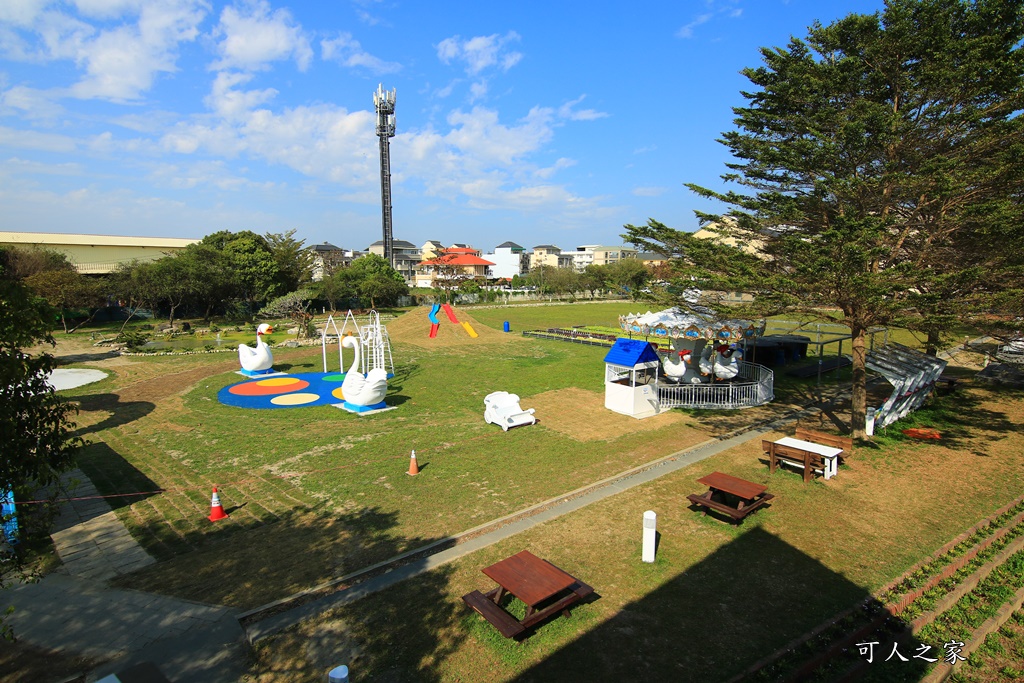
631 378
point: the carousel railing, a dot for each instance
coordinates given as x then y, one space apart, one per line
752 386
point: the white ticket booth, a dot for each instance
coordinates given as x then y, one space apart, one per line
631 378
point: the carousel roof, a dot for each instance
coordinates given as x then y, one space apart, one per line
673 323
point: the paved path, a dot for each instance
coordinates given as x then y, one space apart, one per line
73 610
89 538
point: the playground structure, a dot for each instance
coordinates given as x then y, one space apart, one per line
702 369
435 324
502 408
913 376
374 351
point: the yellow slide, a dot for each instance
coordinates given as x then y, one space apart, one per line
469 330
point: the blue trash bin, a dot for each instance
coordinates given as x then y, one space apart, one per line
506 327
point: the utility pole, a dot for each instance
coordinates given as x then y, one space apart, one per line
384 101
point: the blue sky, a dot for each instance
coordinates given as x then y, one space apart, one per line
537 122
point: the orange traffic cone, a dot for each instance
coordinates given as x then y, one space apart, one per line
216 509
414 469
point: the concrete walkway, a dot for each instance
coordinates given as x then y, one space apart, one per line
73 610
89 538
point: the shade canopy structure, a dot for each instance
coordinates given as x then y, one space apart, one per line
700 323
912 375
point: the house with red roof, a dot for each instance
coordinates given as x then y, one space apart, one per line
453 263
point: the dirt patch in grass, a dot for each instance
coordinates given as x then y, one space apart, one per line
581 415
414 328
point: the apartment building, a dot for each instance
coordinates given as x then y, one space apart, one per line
407 257
605 256
549 255
510 260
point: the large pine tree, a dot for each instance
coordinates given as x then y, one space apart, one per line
880 161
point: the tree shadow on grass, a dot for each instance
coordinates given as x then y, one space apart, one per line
113 476
739 605
121 413
961 418
298 559
246 561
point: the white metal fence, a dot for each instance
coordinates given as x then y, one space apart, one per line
753 386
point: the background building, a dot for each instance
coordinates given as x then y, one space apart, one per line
510 260
549 255
97 254
406 254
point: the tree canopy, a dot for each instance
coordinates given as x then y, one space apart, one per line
34 421
880 161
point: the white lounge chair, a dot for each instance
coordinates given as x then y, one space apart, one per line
502 408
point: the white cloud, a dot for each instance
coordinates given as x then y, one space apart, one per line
649 191
204 174
687 30
25 166
21 12
121 60
562 163
28 139
566 111
727 8
348 52
481 52
30 103
106 9
322 142
479 134
251 37
477 91
233 104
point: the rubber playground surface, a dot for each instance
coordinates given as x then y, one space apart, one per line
285 391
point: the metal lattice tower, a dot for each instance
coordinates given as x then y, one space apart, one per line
384 101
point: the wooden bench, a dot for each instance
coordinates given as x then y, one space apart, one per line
506 624
579 590
779 453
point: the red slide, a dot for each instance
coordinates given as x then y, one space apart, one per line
433 329
451 314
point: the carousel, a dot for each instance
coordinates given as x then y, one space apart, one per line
704 366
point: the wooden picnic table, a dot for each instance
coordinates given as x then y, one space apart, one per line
746 496
541 586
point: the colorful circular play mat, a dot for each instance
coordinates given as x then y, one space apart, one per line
285 391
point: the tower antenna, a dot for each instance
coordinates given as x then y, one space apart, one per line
384 101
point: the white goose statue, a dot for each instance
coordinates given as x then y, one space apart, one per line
363 392
258 359
721 363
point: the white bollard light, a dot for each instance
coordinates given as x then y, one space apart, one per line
650 535
338 674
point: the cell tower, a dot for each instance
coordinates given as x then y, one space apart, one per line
384 100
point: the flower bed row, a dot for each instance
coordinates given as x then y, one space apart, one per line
828 648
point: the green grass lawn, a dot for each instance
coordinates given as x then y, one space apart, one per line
316 493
